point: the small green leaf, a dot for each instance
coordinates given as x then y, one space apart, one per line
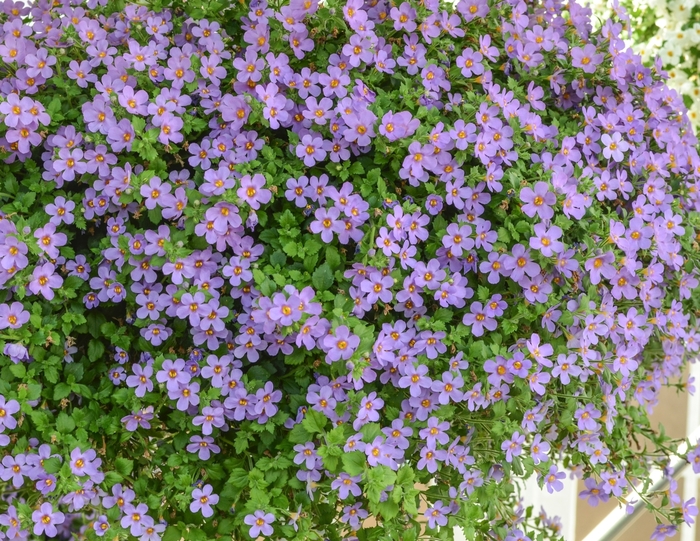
322 278
95 350
172 533
64 423
314 421
124 466
18 370
61 390
354 462
332 257
52 465
238 478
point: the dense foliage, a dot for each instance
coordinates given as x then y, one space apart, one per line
338 271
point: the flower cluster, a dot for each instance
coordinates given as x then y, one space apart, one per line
668 32
270 267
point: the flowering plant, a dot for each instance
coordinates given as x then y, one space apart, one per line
669 30
334 271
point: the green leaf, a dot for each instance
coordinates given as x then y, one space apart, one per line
337 435
124 466
52 465
314 421
354 462
18 370
238 478
64 423
61 390
322 278
11 185
388 509
379 478
54 106
332 257
299 434
95 350
139 124
34 391
278 258
241 441
356 169
406 477
172 533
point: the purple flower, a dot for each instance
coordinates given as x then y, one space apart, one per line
360 128
61 210
311 150
586 417
15 468
155 192
546 239
615 147
538 201
566 367
327 223
81 73
49 240
663 531
252 191
141 379
404 17
13 253
435 432
211 417
369 410
135 518
13 316
260 523
340 345
202 500
586 58
378 287
44 281
46 520
86 464
397 126
101 525
594 492
306 454
479 320
121 136
346 485
470 62
353 514
137 419
16 352
17 110
203 446
415 379
552 479
513 446
539 449
436 515
601 266
267 397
